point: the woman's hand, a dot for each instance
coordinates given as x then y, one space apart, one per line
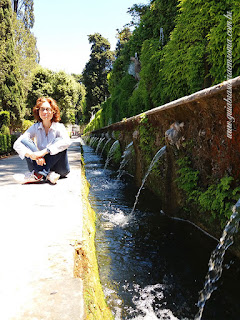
37 155
41 161
31 156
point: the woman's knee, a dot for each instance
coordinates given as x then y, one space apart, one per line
59 163
29 144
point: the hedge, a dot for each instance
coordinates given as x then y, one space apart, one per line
6 143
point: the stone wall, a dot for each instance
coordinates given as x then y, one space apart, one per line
194 128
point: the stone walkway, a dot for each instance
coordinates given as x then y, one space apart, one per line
39 224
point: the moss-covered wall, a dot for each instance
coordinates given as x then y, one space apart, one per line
199 176
86 266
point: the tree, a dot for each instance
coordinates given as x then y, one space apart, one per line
157 19
66 92
96 71
136 12
123 37
62 87
11 93
81 103
27 55
42 86
24 10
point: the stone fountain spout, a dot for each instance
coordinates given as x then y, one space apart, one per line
174 134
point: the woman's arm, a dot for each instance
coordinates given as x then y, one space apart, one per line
37 154
62 141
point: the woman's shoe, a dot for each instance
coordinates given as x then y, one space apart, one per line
53 177
29 177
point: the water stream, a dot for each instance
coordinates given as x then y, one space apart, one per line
216 260
157 156
99 143
125 159
105 145
111 153
92 140
153 267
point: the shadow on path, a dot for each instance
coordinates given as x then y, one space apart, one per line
39 224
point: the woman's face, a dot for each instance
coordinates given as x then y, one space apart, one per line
46 112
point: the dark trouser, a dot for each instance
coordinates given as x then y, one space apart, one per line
57 163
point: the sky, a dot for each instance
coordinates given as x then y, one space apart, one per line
62 29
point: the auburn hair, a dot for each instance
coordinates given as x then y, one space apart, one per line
56 112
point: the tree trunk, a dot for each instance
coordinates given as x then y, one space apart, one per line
15 6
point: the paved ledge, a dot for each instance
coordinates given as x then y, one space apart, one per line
38 228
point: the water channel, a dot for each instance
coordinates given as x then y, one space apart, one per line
151 266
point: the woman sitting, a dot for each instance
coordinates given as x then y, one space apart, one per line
47 159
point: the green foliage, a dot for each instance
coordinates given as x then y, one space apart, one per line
95 72
42 86
123 37
24 11
183 61
4 118
190 53
217 43
159 14
27 54
107 112
26 125
13 139
136 12
117 156
127 97
5 130
188 179
150 77
119 70
146 139
120 96
18 56
5 143
196 55
96 123
5 137
81 103
217 199
66 93
62 87
11 91
115 108
138 101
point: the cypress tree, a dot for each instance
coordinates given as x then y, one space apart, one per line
26 53
24 10
95 72
11 94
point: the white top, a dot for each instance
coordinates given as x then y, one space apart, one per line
37 132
